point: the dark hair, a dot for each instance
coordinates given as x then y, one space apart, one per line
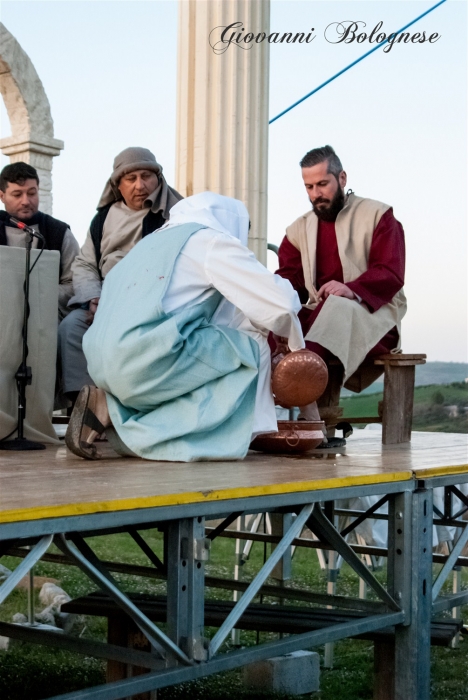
319 155
17 173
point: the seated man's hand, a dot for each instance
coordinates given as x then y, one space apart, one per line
93 304
281 345
337 289
280 351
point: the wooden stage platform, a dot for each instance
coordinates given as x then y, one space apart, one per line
54 483
54 496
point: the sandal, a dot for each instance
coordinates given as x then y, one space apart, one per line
335 442
332 443
82 422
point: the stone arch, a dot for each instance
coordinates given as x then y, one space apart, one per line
32 138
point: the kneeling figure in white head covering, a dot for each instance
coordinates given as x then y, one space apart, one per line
178 348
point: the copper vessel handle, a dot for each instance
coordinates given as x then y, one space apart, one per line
293 435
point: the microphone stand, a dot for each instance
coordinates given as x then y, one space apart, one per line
23 374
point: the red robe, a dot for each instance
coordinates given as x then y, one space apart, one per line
376 286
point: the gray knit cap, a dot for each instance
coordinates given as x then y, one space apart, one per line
133 158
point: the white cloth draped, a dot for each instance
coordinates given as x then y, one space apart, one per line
256 301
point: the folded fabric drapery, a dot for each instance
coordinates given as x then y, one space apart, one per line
178 387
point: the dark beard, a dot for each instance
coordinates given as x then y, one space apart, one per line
333 209
34 219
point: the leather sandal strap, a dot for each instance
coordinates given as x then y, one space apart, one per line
91 421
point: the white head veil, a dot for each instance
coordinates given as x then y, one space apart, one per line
223 214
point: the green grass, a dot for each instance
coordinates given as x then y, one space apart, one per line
430 404
31 673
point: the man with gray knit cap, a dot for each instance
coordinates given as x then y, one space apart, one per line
136 201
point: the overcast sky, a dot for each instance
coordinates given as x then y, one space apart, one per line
397 120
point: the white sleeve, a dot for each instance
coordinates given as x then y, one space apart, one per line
268 300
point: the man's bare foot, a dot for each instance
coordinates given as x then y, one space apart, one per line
90 418
102 414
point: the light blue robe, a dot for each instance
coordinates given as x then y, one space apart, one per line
178 387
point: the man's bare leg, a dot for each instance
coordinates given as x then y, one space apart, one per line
309 412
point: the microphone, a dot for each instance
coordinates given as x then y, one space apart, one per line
28 229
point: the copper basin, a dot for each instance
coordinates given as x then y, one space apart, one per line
293 437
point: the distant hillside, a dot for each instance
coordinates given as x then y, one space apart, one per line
437 408
430 373
441 373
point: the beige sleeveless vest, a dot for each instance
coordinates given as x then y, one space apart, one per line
345 327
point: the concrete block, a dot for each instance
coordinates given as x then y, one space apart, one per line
294 674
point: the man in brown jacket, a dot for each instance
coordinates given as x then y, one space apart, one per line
136 201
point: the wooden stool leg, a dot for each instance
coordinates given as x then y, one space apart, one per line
384 670
397 404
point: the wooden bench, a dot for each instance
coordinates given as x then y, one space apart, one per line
263 617
285 619
396 411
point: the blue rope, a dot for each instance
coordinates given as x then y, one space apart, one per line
354 63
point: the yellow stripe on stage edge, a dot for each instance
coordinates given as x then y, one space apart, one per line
74 509
432 472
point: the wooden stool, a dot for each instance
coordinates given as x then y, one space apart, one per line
396 413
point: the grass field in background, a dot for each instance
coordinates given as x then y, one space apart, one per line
29 672
430 407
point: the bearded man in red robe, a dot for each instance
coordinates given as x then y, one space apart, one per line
346 260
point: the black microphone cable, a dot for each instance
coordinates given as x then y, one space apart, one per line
20 225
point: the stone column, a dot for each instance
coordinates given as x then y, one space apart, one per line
222 107
39 154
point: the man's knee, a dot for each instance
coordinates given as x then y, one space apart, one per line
73 327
